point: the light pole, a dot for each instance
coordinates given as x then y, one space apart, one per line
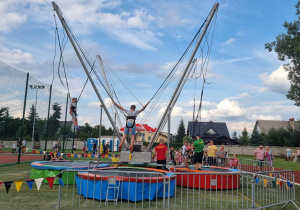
37 87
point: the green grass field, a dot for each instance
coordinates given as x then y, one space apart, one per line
47 198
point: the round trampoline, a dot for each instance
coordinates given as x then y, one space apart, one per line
41 169
216 178
128 183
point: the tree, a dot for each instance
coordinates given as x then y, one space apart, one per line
256 139
53 124
32 114
244 139
180 131
287 47
234 137
189 139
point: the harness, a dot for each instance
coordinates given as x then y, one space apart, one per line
130 119
73 110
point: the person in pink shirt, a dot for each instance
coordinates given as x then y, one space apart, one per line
259 155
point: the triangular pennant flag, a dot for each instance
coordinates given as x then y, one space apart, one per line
61 154
33 151
72 155
89 155
41 152
54 154
106 156
58 154
26 149
85 155
291 185
109 155
30 183
44 152
69 155
61 182
93 156
38 183
103 155
79 156
277 182
286 185
265 182
37 152
18 185
50 181
75 155
281 182
51 153
274 183
7 186
270 174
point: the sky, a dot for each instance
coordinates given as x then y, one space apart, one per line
141 41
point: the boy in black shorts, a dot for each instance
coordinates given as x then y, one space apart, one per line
199 146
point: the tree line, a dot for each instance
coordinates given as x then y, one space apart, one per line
11 127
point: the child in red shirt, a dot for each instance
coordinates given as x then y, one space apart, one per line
235 162
161 151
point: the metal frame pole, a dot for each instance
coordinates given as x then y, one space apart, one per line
73 140
24 109
183 75
100 126
32 138
63 150
47 123
59 13
168 142
113 142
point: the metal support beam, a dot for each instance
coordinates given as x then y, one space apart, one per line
176 91
59 14
47 123
100 126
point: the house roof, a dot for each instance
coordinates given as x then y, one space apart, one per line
220 129
267 125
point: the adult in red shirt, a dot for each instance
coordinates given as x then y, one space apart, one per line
161 151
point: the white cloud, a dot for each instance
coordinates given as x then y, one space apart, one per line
264 117
15 56
276 81
240 33
229 41
225 109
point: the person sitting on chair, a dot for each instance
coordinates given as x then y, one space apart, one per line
130 122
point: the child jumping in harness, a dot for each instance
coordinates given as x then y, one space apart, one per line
130 123
73 110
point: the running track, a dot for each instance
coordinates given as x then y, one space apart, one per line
9 158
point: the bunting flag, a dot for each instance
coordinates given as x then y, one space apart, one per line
27 149
277 182
54 154
61 154
75 155
58 154
51 153
271 175
72 155
281 182
286 185
93 155
89 155
41 152
109 155
265 182
85 155
18 185
69 155
291 185
61 182
106 156
30 183
50 181
33 151
79 156
44 152
7 186
103 155
38 183
274 183
1 183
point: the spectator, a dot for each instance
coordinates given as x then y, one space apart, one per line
288 154
204 160
107 148
1 145
199 147
23 146
104 148
54 145
14 147
185 153
212 151
172 156
259 155
221 157
94 148
84 147
75 147
298 154
234 162
269 156
161 151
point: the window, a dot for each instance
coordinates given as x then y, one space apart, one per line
210 132
149 138
140 134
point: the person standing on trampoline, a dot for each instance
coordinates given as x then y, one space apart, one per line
130 122
199 147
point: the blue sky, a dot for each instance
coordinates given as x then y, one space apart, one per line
142 40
